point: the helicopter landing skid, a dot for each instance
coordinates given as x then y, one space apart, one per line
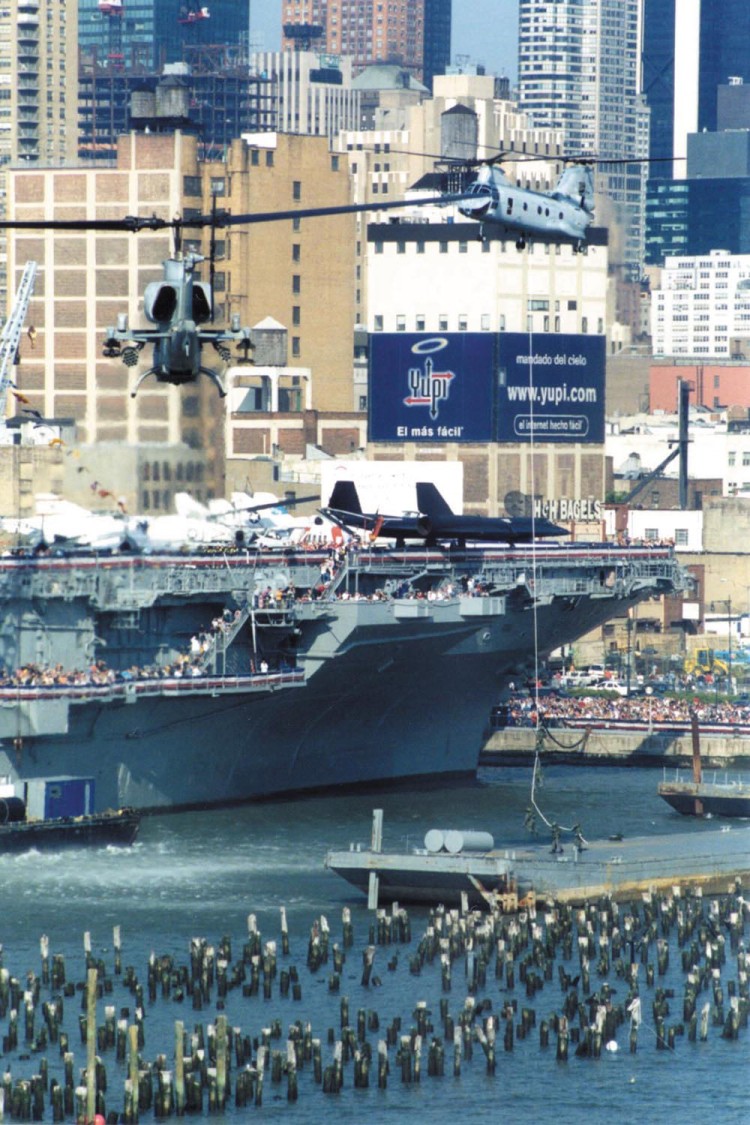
201 371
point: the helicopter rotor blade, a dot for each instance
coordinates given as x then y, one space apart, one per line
226 219
130 223
134 224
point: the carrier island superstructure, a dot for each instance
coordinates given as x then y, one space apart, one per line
195 679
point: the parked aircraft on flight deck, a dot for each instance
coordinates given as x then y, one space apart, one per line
434 520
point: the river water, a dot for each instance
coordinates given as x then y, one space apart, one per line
201 875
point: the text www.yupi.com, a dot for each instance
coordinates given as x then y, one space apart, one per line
552 396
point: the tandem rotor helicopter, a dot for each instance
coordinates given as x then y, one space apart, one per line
180 306
565 212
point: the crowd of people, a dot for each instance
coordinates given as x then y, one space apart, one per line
656 712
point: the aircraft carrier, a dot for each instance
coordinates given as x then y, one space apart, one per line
188 680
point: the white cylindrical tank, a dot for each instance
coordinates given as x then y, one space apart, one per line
433 840
467 841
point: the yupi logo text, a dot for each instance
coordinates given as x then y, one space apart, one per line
429 387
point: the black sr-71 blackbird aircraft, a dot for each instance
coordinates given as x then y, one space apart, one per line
435 520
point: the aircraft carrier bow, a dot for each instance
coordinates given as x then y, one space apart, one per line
189 680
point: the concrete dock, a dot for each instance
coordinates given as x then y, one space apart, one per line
516 746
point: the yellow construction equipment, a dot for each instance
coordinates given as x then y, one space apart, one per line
704 661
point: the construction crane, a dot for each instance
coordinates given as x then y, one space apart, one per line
11 334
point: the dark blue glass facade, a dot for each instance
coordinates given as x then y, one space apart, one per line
161 25
692 217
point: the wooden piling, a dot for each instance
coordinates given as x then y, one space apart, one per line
91 983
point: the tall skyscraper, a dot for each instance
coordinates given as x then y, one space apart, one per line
38 88
416 34
159 31
38 81
578 71
691 48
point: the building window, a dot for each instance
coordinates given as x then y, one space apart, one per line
334 163
145 500
254 156
732 460
218 185
296 283
400 323
378 247
463 322
681 537
463 247
484 322
191 185
420 247
746 457
296 251
584 324
485 245
295 346
269 159
400 247
296 225
378 321
363 402
296 189
651 533
296 315
419 322
443 247
557 324
443 322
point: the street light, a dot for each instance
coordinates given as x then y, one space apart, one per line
650 693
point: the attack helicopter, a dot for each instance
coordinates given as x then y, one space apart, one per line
179 306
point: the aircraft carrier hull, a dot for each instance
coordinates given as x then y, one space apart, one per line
379 688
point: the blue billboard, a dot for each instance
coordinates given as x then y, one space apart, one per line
550 388
432 388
